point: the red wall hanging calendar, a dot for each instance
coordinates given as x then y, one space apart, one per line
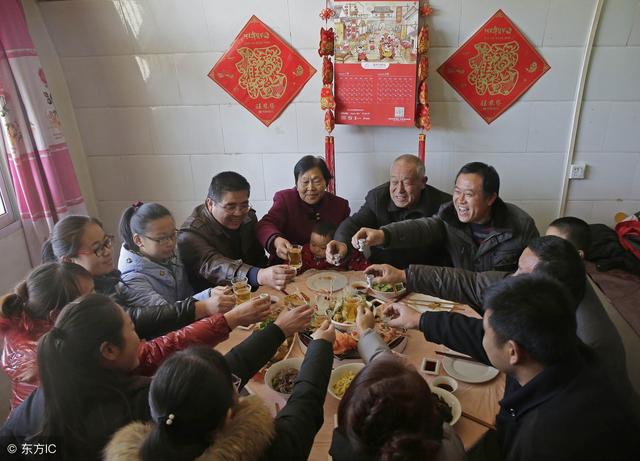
261 71
494 67
375 62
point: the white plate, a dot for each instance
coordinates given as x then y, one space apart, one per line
322 281
452 401
467 371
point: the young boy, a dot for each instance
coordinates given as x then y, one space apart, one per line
575 230
313 253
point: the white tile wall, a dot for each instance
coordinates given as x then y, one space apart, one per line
616 22
14 263
155 127
529 17
186 130
543 212
115 131
593 126
99 24
559 31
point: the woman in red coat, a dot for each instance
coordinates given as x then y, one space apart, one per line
32 309
295 211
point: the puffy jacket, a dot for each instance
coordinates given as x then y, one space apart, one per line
21 335
150 322
379 210
514 230
147 283
207 252
110 411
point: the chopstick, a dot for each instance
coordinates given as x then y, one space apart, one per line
478 421
419 302
457 356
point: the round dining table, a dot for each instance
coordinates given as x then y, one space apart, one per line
479 401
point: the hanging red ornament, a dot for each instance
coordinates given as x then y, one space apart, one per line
423 40
423 92
326 42
421 146
423 120
327 13
327 71
426 10
329 121
329 158
423 67
327 100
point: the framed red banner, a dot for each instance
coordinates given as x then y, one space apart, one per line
261 71
494 67
375 61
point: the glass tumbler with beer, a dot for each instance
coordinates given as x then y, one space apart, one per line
241 289
295 257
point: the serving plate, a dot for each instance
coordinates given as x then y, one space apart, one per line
468 371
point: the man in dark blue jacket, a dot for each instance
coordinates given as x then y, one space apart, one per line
557 404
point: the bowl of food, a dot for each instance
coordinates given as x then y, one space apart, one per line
388 290
445 382
342 377
282 375
345 311
359 287
447 405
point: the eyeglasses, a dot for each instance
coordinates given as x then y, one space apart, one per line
102 249
243 207
166 239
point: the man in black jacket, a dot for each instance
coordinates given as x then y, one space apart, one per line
556 406
405 196
479 231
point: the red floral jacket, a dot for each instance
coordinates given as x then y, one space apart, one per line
21 335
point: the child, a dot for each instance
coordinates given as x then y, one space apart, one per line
151 271
313 253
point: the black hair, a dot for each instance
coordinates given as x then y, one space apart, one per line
490 177
195 387
71 376
308 162
135 219
388 413
47 288
536 312
576 231
227 181
65 237
324 228
560 260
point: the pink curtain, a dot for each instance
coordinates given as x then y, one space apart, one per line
43 177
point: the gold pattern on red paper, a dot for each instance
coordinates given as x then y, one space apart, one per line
261 71
494 67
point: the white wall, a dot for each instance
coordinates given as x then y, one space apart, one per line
14 263
154 127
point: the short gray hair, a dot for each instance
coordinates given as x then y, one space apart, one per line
410 158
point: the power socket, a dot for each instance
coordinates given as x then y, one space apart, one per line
577 170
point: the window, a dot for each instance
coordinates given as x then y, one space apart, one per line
7 216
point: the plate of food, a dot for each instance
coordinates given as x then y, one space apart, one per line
345 346
343 314
388 290
327 281
447 404
468 371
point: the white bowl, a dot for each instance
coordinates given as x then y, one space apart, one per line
389 294
452 401
445 380
340 371
343 326
294 362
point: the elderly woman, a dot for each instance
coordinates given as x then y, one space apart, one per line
295 211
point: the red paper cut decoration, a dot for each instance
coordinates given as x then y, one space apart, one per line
494 67
261 71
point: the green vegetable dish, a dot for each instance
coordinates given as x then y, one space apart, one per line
388 287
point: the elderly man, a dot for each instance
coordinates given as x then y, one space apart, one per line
406 196
218 241
479 231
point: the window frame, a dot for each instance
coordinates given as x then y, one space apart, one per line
6 194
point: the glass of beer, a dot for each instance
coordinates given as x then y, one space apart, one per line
350 307
241 289
295 257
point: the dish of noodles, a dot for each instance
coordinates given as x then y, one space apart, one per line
340 386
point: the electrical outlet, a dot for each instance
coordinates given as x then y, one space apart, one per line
577 170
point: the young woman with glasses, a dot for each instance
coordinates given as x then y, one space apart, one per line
82 240
152 272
